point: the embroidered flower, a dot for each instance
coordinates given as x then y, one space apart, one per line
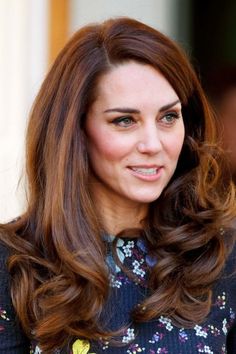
114 283
166 322
104 343
37 350
214 330
129 336
162 351
204 349
224 326
183 337
3 315
128 248
137 268
134 255
156 337
201 332
221 301
135 349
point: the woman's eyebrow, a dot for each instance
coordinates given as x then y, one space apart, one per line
122 110
136 111
168 106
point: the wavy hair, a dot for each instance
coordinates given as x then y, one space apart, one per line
59 274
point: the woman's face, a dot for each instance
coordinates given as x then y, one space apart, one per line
135 133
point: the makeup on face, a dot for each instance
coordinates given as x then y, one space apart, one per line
135 133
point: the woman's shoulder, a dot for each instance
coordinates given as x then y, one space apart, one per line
8 238
4 248
12 338
4 255
230 241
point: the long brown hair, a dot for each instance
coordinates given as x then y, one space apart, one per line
59 274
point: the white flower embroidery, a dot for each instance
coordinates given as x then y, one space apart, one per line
105 345
214 330
135 349
221 301
167 322
137 270
224 327
114 283
200 332
206 349
129 336
127 248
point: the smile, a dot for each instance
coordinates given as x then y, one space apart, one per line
145 171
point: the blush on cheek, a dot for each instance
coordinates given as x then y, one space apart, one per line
176 148
110 148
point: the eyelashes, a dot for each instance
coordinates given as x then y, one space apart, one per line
170 118
124 121
167 119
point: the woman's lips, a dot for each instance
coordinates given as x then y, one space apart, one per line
147 173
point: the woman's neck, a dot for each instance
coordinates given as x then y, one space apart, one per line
117 213
116 218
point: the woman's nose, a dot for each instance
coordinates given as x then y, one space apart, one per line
149 142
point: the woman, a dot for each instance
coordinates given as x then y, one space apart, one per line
126 241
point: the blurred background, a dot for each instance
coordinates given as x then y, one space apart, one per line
32 32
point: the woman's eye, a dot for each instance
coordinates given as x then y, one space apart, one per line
170 118
123 121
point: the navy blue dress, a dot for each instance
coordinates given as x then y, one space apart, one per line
217 335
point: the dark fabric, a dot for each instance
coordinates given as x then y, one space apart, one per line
217 335
12 339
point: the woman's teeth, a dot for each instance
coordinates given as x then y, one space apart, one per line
145 171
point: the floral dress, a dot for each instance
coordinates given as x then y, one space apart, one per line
217 335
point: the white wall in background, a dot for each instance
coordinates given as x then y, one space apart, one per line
160 14
23 62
